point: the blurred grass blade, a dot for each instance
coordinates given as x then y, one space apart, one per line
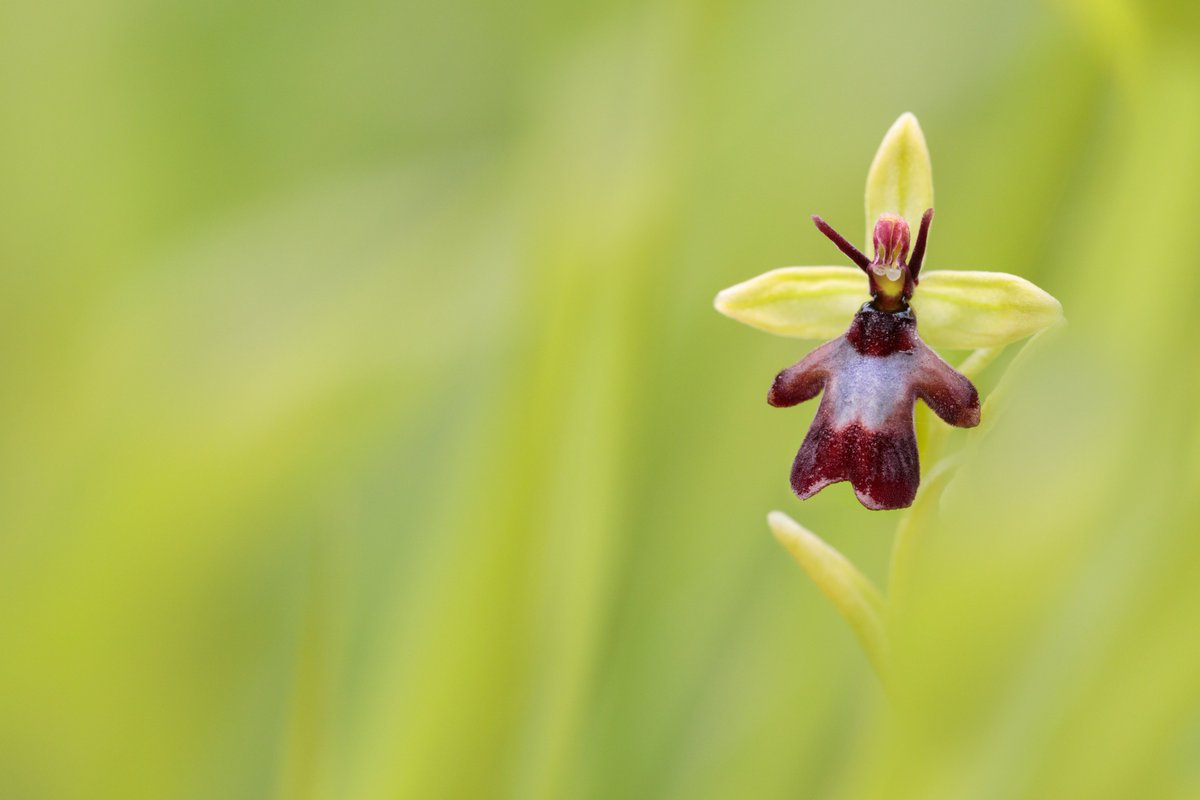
900 180
852 593
803 302
962 310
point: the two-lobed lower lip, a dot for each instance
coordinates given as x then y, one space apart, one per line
871 378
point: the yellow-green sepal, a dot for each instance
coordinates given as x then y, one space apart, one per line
900 180
955 309
962 310
801 302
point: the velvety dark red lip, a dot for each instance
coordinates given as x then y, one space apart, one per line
863 431
881 465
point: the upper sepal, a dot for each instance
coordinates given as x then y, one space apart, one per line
900 180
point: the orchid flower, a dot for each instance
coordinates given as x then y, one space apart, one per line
873 373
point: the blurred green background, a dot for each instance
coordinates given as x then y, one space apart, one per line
367 431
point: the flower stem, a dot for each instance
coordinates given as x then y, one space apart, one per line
978 361
910 528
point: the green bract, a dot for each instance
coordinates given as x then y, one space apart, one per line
851 592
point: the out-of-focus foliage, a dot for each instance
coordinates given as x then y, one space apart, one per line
367 430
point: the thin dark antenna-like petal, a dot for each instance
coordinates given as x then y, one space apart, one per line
852 252
918 253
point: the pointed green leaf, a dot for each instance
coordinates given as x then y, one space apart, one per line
803 302
852 593
900 180
965 310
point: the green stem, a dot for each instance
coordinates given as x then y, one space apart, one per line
910 528
975 363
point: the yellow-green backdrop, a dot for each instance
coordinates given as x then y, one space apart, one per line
366 430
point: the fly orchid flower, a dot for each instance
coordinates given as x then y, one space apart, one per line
872 376
874 372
